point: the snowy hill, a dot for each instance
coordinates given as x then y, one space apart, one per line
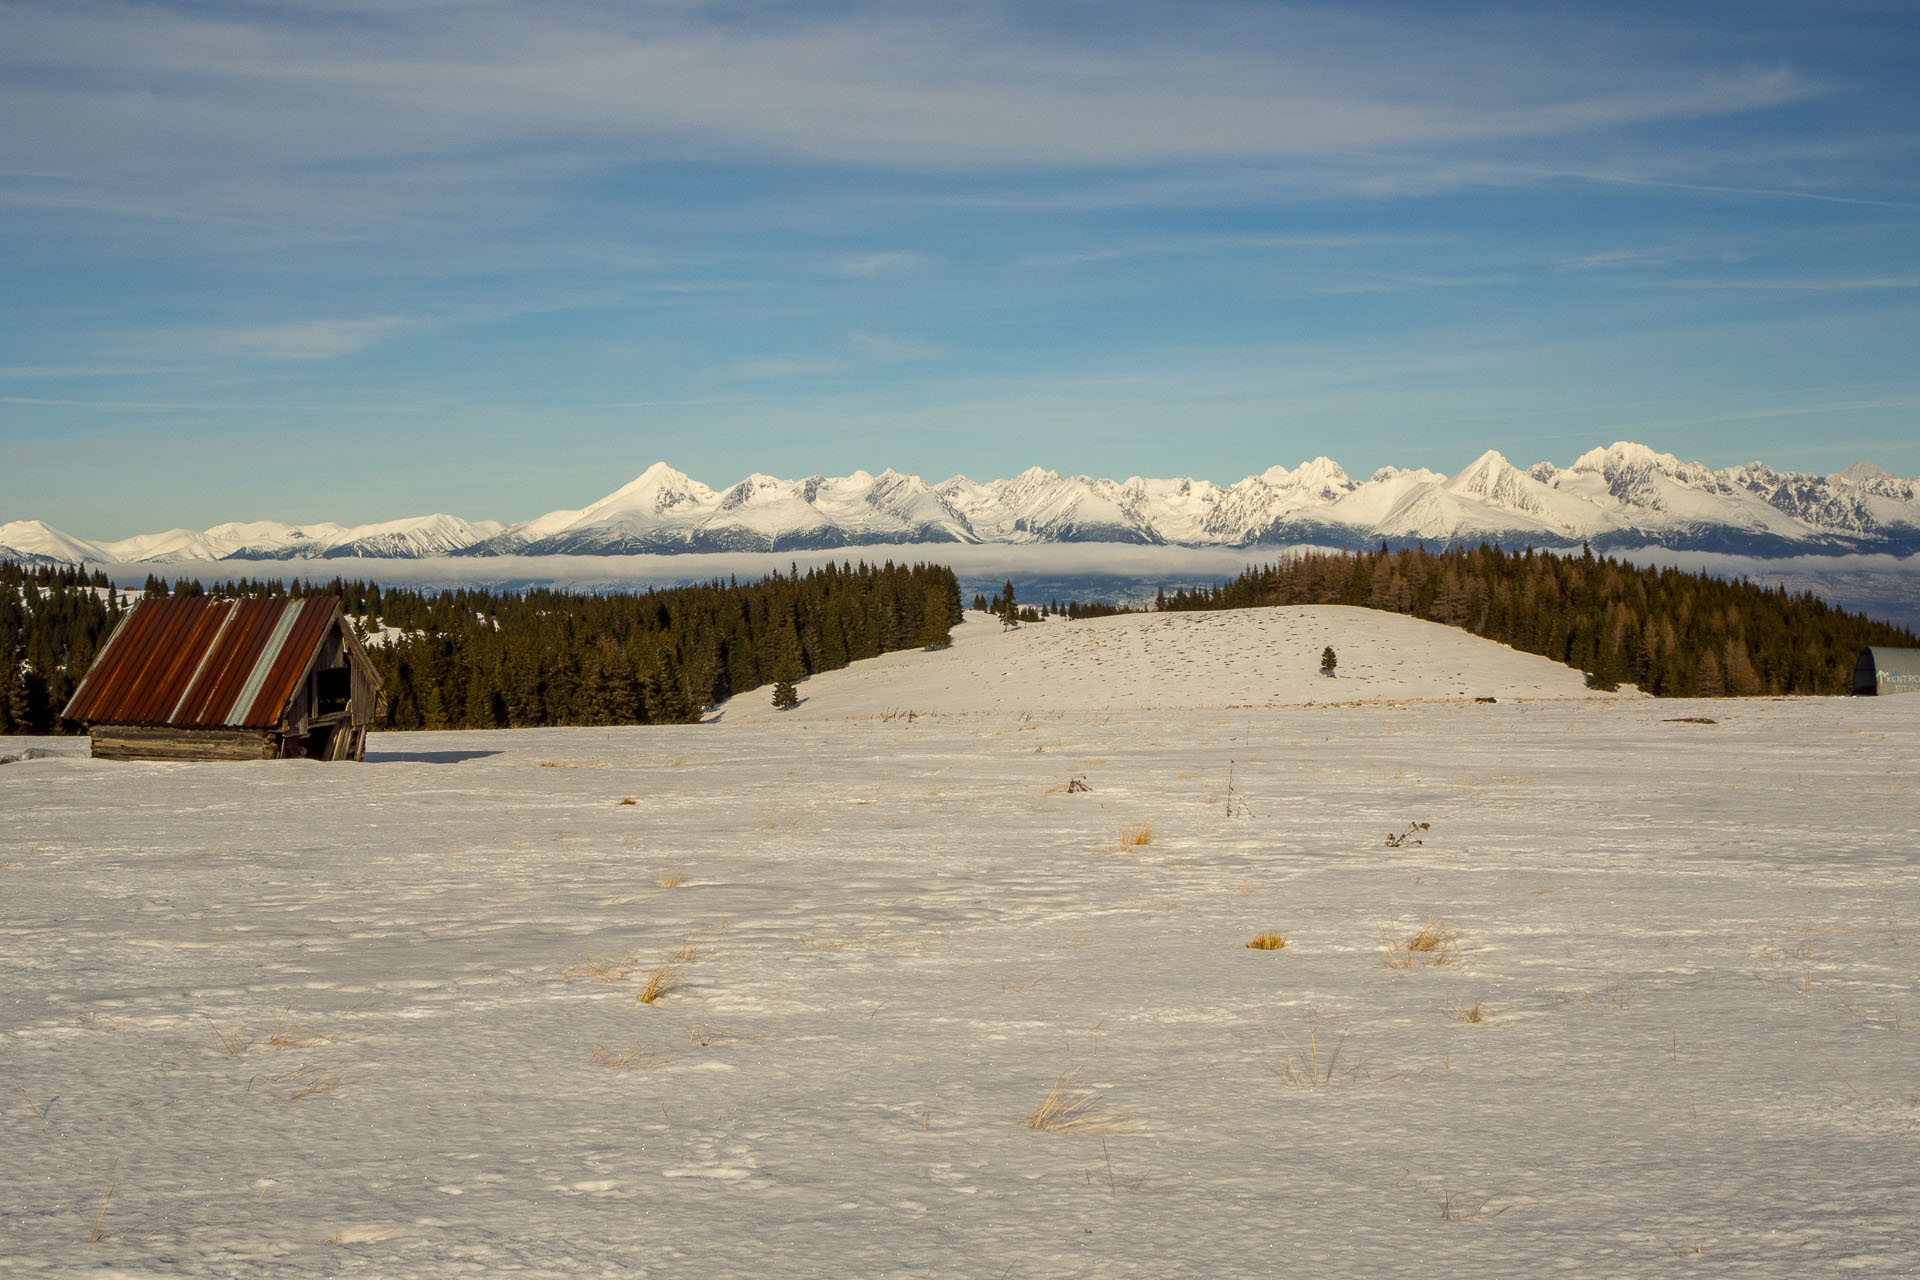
1231 658
1625 496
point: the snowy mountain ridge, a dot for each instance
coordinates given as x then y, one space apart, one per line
1623 496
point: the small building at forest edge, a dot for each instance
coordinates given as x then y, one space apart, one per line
1883 671
191 678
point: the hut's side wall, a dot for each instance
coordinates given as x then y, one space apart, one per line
1887 671
142 742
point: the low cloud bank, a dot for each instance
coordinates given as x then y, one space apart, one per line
1881 586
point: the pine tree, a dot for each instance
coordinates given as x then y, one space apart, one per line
786 671
936 627
1328 661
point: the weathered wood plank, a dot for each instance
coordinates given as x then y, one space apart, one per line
139 742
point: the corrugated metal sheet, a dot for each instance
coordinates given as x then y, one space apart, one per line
197 663
1885 671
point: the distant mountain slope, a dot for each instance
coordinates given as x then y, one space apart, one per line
1621 497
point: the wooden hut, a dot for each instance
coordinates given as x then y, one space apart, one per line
199 679
1882 671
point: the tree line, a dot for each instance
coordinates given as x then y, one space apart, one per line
480 659
1670 632
476 659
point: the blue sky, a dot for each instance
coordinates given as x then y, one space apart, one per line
347 259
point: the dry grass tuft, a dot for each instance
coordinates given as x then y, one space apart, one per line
623 1059
1138 835
1071 1107
1301 1068
1458 1012
607 969
100 1214
1433 943
320 1084
628 800
1613 995
671 880
664 979
288 1034
1009 986
1266 942
232 1041
1452 1210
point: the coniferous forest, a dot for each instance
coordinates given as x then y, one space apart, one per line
478 659
1672 633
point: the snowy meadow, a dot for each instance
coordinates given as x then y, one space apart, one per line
948 972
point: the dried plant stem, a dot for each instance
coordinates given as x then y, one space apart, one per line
100 1214
1069 1108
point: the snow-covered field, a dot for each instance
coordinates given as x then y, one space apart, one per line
298 1019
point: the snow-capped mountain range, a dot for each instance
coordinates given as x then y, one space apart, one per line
1625 496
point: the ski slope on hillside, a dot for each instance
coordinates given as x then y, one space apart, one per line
384 1020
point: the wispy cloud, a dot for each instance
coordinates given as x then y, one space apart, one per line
148 89
881 349
1187 245
879 264
292 341
773 367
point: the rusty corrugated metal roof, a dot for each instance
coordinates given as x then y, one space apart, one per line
198 663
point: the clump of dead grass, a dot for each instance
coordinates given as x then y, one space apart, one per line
1014 986
289 1034
626 1059
1434 943
1302 1067
232 1041
1452 1210
663 980
1134 836
1072 1106
602 969
1459 1011
1614 994
671 880
1268 941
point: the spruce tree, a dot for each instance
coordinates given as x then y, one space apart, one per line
936 628
786 671
1328 661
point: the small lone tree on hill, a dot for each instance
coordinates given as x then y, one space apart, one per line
1009 611
787 669
1328 661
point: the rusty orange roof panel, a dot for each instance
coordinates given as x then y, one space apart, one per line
198 663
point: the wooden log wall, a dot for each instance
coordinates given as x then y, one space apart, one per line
136 742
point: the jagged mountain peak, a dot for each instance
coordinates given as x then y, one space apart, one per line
1624 495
